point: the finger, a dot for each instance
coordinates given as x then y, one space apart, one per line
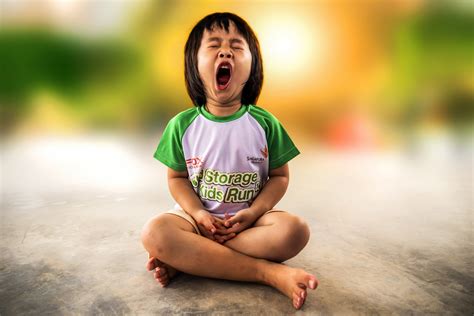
232 220
219 220
222 231
205 232
230 236
234 229
216 220
209 236
219 224
209 226
226 236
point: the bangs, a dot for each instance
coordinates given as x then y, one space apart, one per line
223 22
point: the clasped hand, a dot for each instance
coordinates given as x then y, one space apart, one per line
221 230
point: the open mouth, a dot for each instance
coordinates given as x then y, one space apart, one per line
223 75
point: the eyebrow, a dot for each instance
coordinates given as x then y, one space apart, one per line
219 39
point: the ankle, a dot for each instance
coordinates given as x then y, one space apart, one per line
266 272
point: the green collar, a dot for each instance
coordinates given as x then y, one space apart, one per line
202 110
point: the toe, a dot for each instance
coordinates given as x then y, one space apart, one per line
312 282
162 278
151 264
164 282
303 295
161 270
296 301
160 274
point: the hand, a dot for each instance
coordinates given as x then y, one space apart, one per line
206 223
222 234
240 221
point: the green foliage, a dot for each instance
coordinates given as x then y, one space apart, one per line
32 59
433 51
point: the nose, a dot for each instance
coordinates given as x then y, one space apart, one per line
225 53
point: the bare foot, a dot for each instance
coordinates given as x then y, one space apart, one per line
292 282
163 272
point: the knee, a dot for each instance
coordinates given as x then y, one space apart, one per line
296 233
153 235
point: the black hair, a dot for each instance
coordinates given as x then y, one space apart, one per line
194 85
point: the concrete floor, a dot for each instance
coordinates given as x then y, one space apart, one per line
391 234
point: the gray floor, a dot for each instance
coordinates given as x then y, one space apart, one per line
391 234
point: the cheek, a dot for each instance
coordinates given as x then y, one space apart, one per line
246 66
204 66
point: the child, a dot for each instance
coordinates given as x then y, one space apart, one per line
228 168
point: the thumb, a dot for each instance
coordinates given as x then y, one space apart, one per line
231 221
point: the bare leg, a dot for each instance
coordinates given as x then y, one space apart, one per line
275 236
164 238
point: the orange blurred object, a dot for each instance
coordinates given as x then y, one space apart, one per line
351 131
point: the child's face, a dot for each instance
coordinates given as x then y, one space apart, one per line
218 47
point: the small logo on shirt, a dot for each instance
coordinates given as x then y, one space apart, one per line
264 152
195 162
255 159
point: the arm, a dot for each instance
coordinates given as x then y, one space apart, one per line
272 191
183 192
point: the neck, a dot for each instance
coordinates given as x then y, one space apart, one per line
218 109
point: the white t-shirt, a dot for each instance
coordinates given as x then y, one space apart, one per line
227 158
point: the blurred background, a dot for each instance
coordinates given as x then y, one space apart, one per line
83 81
346 74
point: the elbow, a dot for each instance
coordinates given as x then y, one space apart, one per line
286 182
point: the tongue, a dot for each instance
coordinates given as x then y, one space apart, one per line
223 79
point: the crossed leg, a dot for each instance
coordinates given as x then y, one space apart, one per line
275 236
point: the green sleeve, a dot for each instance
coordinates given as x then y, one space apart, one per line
281 148
170 148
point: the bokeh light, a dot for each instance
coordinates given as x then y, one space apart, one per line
395 69
291 46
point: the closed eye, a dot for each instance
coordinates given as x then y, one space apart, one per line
214 46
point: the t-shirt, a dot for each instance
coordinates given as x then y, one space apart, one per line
227 158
